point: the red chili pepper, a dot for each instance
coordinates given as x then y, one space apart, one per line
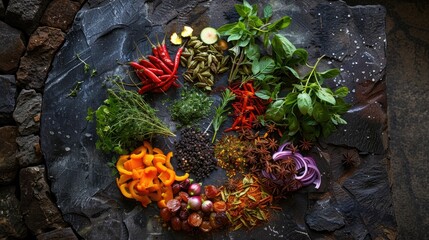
144 62
164 55
147 72
161 64
177 60
154 49
157 71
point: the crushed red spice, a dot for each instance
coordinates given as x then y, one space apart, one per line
247 106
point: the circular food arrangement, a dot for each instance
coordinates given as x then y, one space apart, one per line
202 130
273 106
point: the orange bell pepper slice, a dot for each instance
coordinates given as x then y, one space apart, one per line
144 199
148 146
181 178
168 160
139 149
125 190
167 177
167 193
162 204
122 179
120 165
156 185
133 163
158 151
138 154
147 160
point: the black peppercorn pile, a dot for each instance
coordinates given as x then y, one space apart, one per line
195 154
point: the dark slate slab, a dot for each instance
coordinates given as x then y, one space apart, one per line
107 31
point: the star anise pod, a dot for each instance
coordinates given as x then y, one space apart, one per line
272 144
271 128
306 145
350 158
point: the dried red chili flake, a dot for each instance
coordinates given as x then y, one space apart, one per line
247 106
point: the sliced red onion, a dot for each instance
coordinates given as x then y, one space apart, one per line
311 173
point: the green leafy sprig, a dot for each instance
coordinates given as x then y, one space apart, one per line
124 120
221 110
310 110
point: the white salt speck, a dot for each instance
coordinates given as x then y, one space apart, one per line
345 130
367 137
318 14
88 135
353 90
67 149
329 62
67 136
59 132
348 15
341 69
336 16
363 72
51 132
355 41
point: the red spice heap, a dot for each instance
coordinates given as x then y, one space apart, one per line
247 203
247 106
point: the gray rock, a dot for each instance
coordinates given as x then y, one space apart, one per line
370 187
12 224
39 212
25 14
2 10
8 164
12 47
58 234
28 151
36 62
27 111
323 216
7 99
60 14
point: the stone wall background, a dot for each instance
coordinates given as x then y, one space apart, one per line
31 32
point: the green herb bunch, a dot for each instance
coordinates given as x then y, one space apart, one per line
124 120
192 106
221 110
309 110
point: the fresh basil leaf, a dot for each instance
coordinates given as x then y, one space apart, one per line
341 106
325 95
233 37
263 94
243 42
255 67
342 92
283 22
282 46
336 119
291 98
252 51
305 104
298 87
255 21
320 113
266 65
243 10
268 11
235 50
330 73
276 111
226 28
300 56
293 71
293 124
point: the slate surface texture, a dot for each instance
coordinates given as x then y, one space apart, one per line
354 203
